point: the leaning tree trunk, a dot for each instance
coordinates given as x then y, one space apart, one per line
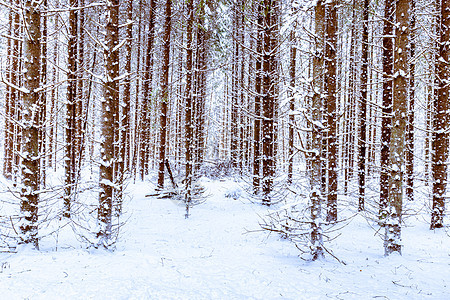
30 123
392 240
440 137
111 100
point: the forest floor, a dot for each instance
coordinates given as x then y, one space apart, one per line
219 252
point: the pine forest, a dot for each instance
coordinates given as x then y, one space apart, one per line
224 149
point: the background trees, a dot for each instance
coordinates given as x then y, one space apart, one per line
275 91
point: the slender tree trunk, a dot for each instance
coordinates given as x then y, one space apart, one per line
363 107
292 74
388 52
111 100
410 125
146 102
30 123
315 156
257 121
397 143
268 99
440 142
164 93
71 113
330 83
188 107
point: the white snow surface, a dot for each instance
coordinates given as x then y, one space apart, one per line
221 253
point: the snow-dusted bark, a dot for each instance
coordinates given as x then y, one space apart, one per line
330 89
164 93
440 143
71 114
362 142
30 123
393 223
146 105
188 107
291 94
269 97
108 108
411 108
389 10
314 157
257 121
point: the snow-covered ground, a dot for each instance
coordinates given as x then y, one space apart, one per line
220 253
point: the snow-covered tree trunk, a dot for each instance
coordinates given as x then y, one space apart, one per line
411 108
71 114
164 93
188 107
362 142
145 111
110 101
30 123
292 91
316 116
330 86
388 52
392 242
268 98
440 136
257 121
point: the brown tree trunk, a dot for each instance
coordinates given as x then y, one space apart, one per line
257 122
410 124
440 137
30 123
268 99
111 100
292 66
71 113
145 113
397 144
315 155
363 107
188 107
388 52
164 93
330 86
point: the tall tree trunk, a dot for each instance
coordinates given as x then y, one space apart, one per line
330 84
30 123
188 107
146 102
388 52
292 66
268 99
440 136
111 100
164 93
397 144
71 114
363 107
410 125
126 110
257 121
315 153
